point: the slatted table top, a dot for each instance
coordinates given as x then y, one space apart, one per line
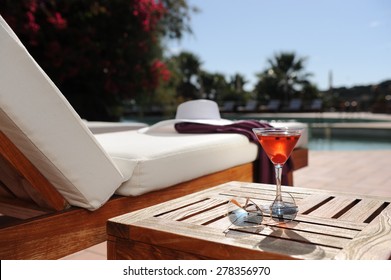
329 225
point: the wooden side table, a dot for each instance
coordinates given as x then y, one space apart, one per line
329 225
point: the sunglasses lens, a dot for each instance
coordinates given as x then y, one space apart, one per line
243 212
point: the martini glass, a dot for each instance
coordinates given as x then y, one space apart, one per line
278 144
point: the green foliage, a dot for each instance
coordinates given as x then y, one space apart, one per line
187 66
99 52
108 54
284 79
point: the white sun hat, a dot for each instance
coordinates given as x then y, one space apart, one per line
196 111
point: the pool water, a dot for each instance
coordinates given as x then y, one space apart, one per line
320 142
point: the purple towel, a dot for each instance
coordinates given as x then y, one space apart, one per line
265 173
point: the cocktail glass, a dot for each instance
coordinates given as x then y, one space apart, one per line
278 144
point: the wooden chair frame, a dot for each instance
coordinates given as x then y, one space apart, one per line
38 223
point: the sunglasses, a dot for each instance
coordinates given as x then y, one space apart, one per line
245 213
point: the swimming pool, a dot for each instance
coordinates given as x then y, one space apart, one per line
340 131
334 131
349 136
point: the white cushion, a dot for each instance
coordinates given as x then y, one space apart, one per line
97 127
43 125
157 160
157 157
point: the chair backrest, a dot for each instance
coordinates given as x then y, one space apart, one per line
295 104
251 105
274 105
228 106
41 123
316 104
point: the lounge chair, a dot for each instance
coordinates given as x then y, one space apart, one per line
295 105
274 105
316 105
251 106
59 183
228 107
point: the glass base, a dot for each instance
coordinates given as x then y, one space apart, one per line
282 211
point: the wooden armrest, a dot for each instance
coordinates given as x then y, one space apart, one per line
34 185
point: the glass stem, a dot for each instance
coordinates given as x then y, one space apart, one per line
278 169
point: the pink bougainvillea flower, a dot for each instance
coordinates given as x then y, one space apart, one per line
58 21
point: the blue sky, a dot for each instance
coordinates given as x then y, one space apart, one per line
352 39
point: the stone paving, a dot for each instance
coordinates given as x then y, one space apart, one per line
364 172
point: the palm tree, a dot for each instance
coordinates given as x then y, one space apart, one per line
285 77
213 85
237 83
188 67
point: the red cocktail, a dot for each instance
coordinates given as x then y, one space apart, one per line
278 144
278 147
